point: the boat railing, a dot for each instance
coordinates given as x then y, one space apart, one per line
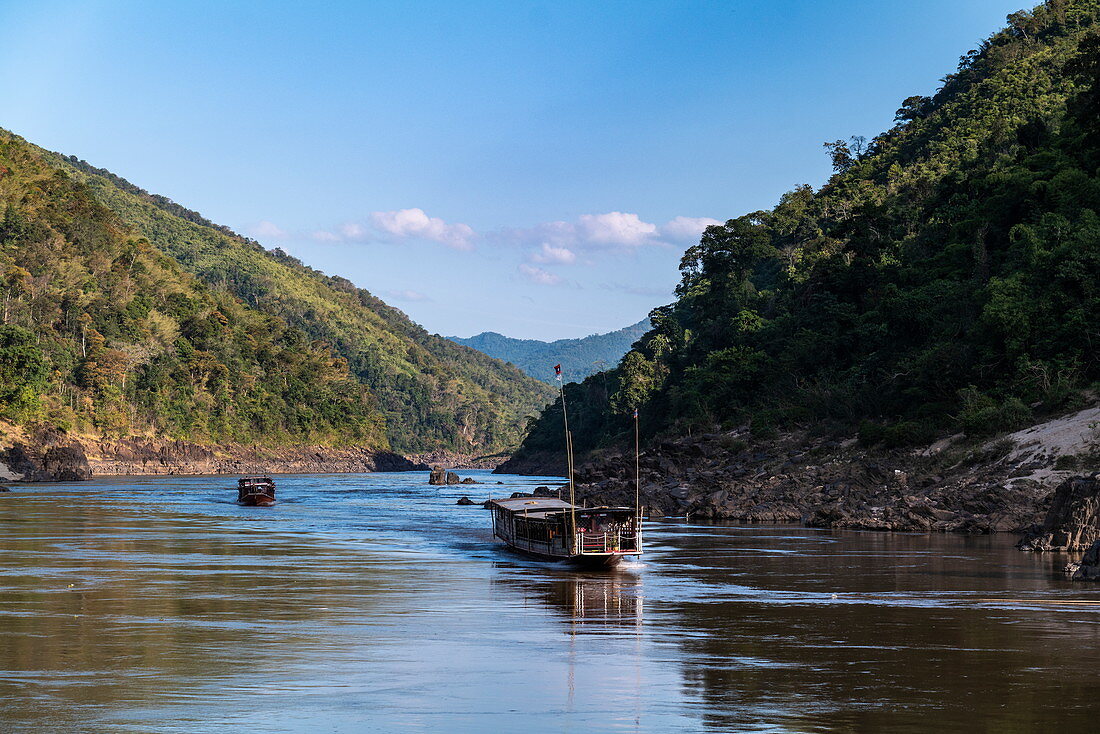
607 542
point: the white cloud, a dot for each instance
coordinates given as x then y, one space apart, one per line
268 230
588 232
615 228
549 254
683 229
538 275
547 243
415 224
353 231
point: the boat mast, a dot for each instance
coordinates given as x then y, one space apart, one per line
568 458
637 480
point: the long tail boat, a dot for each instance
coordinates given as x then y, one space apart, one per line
256 491
553 529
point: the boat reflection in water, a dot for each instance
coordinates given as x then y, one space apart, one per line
615 600
607 599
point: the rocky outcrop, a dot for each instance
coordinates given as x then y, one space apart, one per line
47 455
1073 521
821 482
1088 568
956 484
66 464
464 500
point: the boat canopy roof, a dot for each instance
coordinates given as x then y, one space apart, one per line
533 504
545 506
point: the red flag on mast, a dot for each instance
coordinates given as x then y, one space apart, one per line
557 370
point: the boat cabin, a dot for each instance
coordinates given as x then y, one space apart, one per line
543 526
256 491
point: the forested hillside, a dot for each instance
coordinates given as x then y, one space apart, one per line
579 358
946 278
127 314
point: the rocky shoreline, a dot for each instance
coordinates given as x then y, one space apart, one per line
956 485
48 454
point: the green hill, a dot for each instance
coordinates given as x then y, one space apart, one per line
946 278
126 313
579 357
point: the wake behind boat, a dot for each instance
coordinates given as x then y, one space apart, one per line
553 529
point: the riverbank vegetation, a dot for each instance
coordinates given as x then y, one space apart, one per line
126 314
946 278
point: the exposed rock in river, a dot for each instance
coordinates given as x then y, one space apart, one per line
443 477
1088 568
1073 521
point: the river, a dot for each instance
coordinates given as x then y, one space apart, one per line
374 603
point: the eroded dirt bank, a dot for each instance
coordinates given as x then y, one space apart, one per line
48 454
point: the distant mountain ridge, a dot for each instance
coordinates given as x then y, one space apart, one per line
579 358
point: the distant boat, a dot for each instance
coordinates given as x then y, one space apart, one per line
256 491
555 530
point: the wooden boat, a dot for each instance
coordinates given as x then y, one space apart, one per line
553 529
256 491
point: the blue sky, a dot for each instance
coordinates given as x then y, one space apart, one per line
532 168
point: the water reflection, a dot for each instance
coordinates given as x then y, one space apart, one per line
585 600
374 603
111 606
870 632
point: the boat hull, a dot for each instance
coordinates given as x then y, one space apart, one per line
256 501
610 560
586 560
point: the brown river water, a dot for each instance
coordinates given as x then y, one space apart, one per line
373 603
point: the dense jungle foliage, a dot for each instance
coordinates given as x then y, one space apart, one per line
102 332
433 393
946 277
125 313
579 358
